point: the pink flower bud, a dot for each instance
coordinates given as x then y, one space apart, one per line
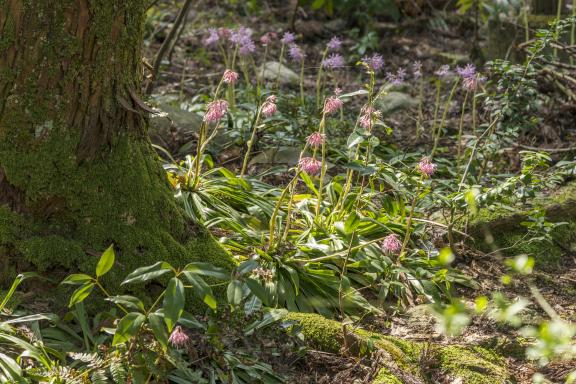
216 111
332 104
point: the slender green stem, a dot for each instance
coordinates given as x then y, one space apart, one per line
272 223
105 292
409 220
460 131
250 142
322 166
319 78
573 30
444 115
302 83
277 84
419 122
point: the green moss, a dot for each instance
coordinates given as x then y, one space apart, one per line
386 377
473 364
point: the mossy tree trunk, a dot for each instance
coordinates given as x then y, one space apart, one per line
77 171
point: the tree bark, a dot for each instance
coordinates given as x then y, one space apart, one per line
77 171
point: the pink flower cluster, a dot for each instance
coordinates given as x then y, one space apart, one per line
316 139
368 114
310 165
269 107
216 111
178 338
332 104
333 61
391 244
230 77
375 62
426 167
295 53
397 78
334 44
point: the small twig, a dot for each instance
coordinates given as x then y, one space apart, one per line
166 45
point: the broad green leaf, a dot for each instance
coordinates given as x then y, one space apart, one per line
258 290
19 279
77 279
174 298
128 327
11 369
127 301
235 292
201 289
247 266
80 294
157 324
148 273
207 269
106 262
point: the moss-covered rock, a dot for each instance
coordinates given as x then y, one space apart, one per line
408 361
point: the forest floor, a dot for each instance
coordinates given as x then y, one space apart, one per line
192 72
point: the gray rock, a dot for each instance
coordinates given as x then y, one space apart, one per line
286 75
395 101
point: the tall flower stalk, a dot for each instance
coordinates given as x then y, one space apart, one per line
268 108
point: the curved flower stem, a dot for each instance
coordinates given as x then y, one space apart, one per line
260 74
420 121
444 115
291 199
250 142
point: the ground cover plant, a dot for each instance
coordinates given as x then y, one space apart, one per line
320 201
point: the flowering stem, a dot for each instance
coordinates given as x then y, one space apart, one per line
291 199
302 82
409 220
323 165
260 74
277 85
272 224
319 78
444 115
250 142
420 108
460 131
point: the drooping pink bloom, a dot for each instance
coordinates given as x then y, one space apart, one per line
375 62
310 165
333 61
178 338
417 69
295 53
212 38
216 111
391 244
368 115
265 39
269 107
334 44
338 91
332 104
472 83
443 71
288 38
230 77
224 33
316 139
426 167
